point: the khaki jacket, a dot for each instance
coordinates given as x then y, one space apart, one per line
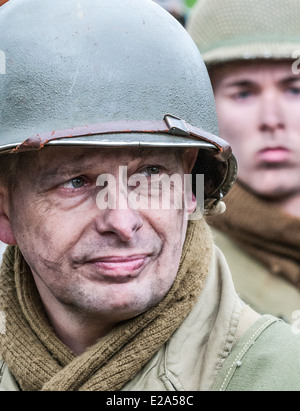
258 287
222 345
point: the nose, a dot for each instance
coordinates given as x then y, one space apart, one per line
122 222
119 218
271 115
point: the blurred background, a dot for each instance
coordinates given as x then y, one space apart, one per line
180 9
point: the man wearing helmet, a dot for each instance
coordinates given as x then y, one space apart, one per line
257 89
104 286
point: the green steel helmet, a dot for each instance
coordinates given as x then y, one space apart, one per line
102 73
242 29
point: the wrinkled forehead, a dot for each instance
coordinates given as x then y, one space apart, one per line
55 158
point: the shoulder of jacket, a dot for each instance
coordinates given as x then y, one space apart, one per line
235 255
250 277
265 359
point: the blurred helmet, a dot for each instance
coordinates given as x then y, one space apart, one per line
242 29
100 73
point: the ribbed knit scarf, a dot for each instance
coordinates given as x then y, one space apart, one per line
264 231
40 361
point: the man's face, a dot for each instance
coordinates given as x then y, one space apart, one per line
258 106
111 262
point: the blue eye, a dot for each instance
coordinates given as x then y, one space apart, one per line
294 90
75 183
151 170
243 94
78 182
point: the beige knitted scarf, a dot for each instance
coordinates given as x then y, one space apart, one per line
263 230
40 361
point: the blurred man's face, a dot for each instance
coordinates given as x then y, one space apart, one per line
108 260
258 106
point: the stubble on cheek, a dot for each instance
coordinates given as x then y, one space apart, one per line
35 234
169 263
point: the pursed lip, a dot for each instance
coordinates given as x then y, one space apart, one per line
273 155
119 268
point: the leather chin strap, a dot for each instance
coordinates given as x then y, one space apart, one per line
169 125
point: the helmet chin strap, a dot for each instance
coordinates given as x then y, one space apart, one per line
3 2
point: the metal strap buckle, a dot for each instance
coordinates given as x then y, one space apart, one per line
176 125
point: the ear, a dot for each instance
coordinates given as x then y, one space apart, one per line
189 160
191 203
6 232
